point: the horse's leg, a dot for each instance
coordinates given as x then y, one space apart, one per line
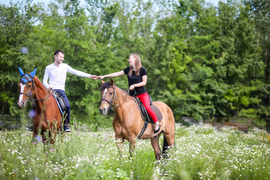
53 136
132 144
119 143
155 145
35 131
34 134
35 124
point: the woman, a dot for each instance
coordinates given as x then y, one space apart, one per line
137 78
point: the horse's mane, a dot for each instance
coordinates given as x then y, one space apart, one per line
38 82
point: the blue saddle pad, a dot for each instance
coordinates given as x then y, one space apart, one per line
60 102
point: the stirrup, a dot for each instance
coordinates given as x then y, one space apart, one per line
156 131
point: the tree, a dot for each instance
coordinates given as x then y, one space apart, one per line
16 28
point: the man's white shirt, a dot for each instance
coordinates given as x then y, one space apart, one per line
57 75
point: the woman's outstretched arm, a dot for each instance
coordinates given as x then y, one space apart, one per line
116 74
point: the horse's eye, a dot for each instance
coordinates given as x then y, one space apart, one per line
111 93
29 86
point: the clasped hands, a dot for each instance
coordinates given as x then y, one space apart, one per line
101 77
96 77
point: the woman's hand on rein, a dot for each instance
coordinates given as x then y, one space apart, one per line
131 87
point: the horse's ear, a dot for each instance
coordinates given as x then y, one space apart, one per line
33 73
102 82
21 71
111 81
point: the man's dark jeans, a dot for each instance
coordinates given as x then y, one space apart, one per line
63 94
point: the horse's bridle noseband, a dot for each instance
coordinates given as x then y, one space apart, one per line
26 78
111 102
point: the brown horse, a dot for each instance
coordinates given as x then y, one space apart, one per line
47 113
128 122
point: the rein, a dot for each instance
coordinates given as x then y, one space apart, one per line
112 101
31 99
29 95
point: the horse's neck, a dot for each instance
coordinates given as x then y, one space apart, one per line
120 96
40 90
123 99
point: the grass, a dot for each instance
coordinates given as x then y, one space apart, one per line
201 152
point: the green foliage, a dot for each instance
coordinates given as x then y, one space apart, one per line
203 61
15 28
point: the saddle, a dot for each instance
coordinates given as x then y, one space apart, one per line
145 116
60 101
144 113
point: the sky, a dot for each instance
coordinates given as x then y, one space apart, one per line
45 1
215 2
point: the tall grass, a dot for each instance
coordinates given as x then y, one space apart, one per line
201 152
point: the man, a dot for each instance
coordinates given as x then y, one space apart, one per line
56 72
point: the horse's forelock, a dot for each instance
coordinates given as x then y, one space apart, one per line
105 85
108 85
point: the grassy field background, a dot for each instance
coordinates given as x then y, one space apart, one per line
201 152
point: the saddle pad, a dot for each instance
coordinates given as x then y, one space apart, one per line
157 112
60 102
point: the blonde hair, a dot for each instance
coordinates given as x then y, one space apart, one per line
138 64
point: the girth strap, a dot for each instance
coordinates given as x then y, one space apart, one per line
143 129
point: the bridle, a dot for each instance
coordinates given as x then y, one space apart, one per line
26 78
112 100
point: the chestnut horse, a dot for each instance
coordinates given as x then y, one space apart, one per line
128 122
47 113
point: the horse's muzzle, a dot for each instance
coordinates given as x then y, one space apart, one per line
103 111
21 104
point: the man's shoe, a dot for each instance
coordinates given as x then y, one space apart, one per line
30 128
66 129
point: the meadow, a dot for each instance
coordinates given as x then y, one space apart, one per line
201 152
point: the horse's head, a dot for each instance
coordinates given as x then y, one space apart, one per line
27 87
107 92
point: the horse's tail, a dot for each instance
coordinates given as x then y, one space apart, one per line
165 145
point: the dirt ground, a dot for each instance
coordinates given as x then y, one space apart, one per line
242 124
